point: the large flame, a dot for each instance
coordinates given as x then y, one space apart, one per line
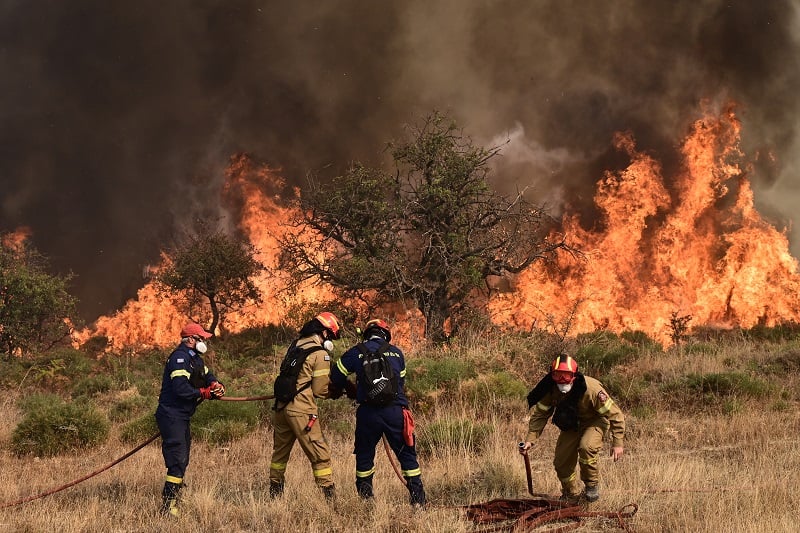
689 245
153 319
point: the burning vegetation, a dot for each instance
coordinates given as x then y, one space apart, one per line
665 248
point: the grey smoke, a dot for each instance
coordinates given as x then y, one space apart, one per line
118 118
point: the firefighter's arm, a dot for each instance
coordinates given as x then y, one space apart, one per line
607 408
320 373
539 415
179 379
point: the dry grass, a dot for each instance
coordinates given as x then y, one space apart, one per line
688 470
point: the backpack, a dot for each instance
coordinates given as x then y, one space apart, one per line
380 379
285 387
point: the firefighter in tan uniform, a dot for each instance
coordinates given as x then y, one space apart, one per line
296 420
584 412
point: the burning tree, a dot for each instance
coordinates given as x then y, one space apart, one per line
216 268
432 231
35 308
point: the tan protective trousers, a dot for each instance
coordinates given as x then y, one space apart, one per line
581 447
290 427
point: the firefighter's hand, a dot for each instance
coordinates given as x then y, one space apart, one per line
616 452
524 447
334 393
205 393
217 390
350 390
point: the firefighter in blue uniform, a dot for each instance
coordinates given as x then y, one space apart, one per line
186 382
374 421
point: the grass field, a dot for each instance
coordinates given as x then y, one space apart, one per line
711 445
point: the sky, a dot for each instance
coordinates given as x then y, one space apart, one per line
118 118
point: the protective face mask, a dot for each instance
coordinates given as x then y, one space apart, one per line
200 347
328 345
564 387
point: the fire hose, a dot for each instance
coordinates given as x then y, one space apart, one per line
117 461
524 515
151 439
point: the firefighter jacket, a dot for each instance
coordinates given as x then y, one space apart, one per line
350 362
184 374
316 370
594 407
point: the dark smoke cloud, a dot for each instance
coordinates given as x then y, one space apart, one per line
118 118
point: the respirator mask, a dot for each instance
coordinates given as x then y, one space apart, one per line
200 346
328 345
564 387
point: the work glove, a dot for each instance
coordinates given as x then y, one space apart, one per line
217 390
205 393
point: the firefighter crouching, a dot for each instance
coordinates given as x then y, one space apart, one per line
584 412
296 419
375 418
186 382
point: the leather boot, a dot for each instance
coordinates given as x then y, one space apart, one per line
364 487
329 492
275 489
416 492
169 505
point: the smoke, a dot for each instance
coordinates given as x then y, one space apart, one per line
120 117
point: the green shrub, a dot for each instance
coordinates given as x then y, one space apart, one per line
92 385
59 428
455 435
641 340
427 375
599 351
222 422
38 401
139 429
727 384
498 386
779 333
128 407
625 390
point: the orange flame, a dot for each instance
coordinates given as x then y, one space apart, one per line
701 251
691 244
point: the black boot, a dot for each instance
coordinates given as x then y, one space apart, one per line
275 489
169 506
329 492
416 492
364 487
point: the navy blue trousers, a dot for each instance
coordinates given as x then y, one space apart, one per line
371 424
176 439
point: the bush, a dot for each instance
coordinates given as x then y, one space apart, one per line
222 422
128 407
499 390
427 375
58 428
727 384
454 435
92 385
599 351
140 429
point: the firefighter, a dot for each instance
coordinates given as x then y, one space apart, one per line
296 420
584 412
186 382
374 421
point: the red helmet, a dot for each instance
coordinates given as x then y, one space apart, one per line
563 369
329 322
377 325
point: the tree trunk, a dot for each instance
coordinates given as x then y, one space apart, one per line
214 315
